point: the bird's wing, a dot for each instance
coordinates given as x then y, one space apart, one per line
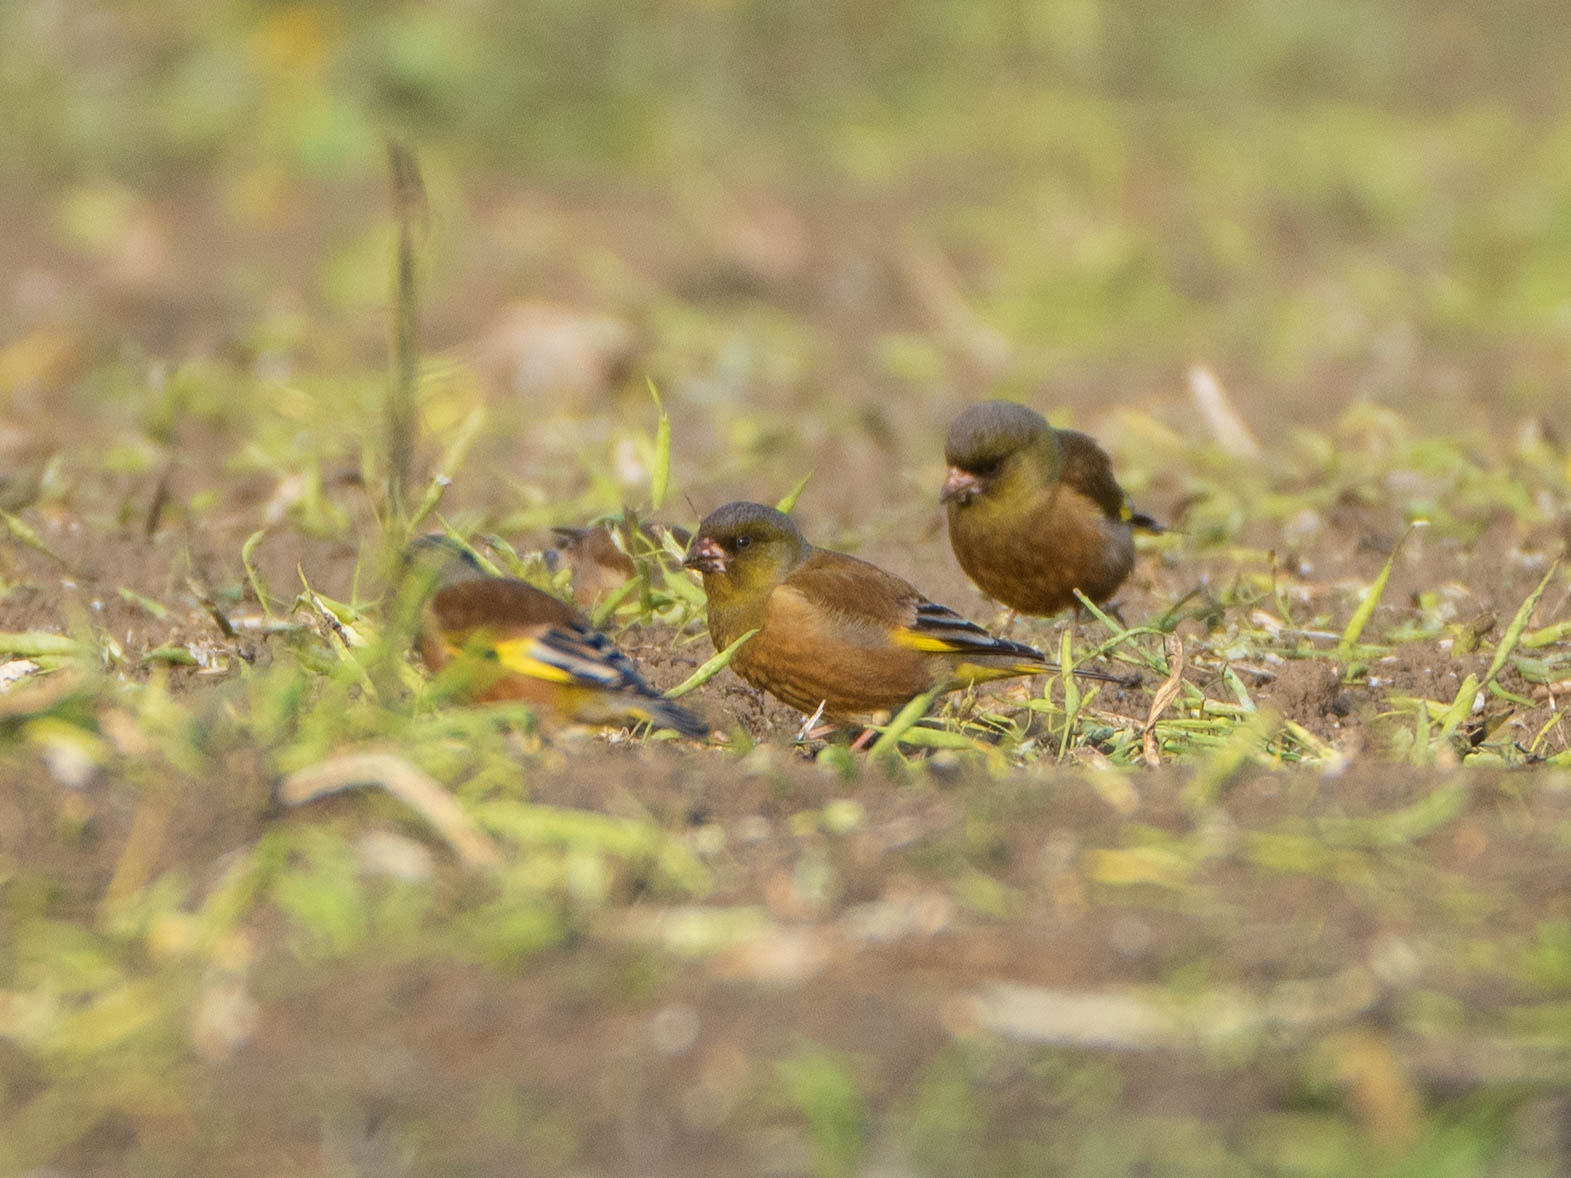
1145 523
940 629
531 633
576 655
499 603
872 607
1088 470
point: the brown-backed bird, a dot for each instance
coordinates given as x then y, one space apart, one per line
834 630
504 639
601 556
1034 512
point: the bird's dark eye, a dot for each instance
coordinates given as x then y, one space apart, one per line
743 541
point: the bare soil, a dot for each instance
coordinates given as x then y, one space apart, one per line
615 1052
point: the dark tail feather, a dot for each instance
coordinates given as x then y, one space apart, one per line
628 709
664 714
1145 523
1103 676
1045 666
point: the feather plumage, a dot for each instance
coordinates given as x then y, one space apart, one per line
502 638
834 629
1034 512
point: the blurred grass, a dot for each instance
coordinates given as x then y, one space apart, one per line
111 86
1343 204
1366 200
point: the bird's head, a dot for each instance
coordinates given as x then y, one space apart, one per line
992 444
745 546
437 560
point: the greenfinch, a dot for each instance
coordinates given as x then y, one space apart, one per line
835 632
507 640
601 556
1034 512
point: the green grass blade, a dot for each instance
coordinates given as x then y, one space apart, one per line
409 208
1121 635
904 721
787 504
156 608
1460 707
660 476
429 502
922 737
487 565
24 533
1243 744
612 601
31 643
710 669
1072 700
1366 608
1513 634
1548 636
247 554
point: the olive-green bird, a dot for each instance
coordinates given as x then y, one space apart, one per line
505 639
834 630
1035 512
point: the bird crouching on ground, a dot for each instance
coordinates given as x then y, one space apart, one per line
499 638
834 631
1035 512
602 555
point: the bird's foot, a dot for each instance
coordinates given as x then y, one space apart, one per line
811 728
865 741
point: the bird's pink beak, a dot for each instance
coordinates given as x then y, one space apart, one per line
706 556
960 487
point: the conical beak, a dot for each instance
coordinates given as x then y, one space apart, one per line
959 487
706 556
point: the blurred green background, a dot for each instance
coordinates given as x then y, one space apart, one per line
820 228
1071 200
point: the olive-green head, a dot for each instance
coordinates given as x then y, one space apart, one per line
745 548
995 445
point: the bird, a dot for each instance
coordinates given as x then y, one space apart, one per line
1035 512
504 639
834 633
601 556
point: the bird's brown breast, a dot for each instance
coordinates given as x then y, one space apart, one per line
806 654
1033 558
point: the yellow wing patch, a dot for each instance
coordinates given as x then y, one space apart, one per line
516 655
916 640
969 674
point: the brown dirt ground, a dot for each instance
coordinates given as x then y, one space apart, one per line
607 1056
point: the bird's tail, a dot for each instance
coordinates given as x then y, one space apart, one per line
982 672
1145 523
665 714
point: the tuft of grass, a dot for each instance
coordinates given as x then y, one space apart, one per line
821 1086
710 667
1366 608
1514 632
787 502
660 468
409 208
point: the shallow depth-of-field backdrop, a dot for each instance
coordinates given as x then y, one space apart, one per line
1293 901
